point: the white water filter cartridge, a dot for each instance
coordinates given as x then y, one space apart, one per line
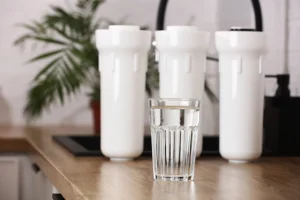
241 94
123 58
182 52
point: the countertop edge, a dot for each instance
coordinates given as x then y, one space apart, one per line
56 177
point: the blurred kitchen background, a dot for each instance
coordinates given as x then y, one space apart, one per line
281 19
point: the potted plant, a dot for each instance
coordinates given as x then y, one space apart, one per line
73 58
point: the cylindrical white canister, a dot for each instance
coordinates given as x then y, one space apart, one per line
123 53
241 94
182 61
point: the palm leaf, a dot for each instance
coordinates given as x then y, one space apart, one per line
53 86
34 27
46 55
60 93
211 95
21 40
61 12
89 5
46 69
38 97
63 33
49 40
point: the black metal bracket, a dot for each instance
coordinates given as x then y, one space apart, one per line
160 19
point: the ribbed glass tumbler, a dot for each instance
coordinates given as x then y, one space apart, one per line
174 129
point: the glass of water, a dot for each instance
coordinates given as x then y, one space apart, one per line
174 129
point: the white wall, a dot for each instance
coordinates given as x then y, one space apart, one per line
294 45
209 15
15 75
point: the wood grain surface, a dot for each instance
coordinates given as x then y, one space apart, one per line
12 139
270 178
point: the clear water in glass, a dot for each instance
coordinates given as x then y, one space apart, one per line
174 128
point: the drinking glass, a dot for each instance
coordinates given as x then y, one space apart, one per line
174 129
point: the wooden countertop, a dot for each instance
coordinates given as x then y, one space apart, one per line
13 139
97 178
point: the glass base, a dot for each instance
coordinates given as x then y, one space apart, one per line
173 178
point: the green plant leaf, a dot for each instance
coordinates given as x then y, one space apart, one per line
21 40
71 60
89 6
60 92
211 95
148 90
71 77
49 40
64 34
46 55
58 83
46 68
39 97
60 11
34 27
